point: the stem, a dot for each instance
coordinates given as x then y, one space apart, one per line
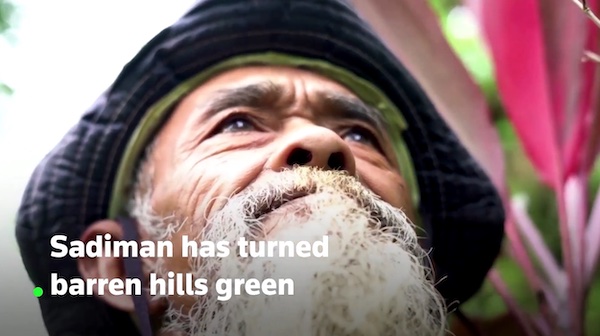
545 298
573 297
576 220
593 243
510 302
541 325
519 254
591 56
534 240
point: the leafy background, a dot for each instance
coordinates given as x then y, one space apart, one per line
520 174
6 14
521 177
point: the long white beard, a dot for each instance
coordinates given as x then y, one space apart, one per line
372 283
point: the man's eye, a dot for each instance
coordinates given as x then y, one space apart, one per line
361 135
236 124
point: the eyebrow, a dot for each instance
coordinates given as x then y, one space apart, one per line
258 96
349 107
264 95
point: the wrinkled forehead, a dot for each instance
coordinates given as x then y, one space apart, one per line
280 76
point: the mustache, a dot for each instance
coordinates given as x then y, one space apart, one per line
276 189
266 195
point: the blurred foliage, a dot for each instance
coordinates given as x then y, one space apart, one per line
5 89
462 35
7 10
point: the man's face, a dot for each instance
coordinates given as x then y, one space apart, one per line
272 153
250 122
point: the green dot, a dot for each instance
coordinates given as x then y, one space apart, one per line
38 291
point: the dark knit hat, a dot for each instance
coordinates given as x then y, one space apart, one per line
74 184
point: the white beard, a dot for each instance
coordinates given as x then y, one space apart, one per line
373 281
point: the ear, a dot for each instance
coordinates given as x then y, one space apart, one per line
110 267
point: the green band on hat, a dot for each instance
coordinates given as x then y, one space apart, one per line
366 91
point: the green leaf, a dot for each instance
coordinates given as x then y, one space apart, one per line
6 89
6 12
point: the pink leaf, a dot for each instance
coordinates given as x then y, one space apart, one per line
581 146
590 118
410 29
549 93
516 40
563 28
592 241
592 122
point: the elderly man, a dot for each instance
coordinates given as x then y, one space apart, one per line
271 121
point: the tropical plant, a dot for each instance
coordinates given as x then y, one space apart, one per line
544 55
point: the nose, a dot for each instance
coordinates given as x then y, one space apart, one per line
313 146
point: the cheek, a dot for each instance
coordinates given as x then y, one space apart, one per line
196 188
188 190
386 183
179 265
